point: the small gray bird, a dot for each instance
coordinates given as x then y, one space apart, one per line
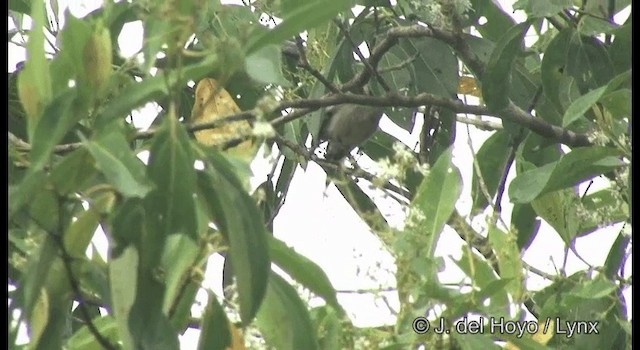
348 126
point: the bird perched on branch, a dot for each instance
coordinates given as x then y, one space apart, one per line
348 126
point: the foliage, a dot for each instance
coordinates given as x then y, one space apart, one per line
559 78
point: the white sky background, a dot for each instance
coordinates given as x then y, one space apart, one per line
321 225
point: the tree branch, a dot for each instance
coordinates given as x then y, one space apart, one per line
510 113
372 70
75 287
325 164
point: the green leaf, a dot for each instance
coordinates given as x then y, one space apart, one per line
149 326
360 201
156 32
618 103
264 65
305 271
553 65
38 268
523 343
380 146
45 210
609 207
238 218
84 339
509 261
117 162
444 138
497 21
137 94
171 169
314 119
342 63
34 80
484 276
73 38
123 276
542 8
39 317
468 341
586 101
80 232
617 255
598 287
308 15
620 49
57 119
435 66
525 220
328 327
22 193
588 62
592 26
524 87
287 171
180 253
496 82
492 158
283 318
21 6
58 303
436 198
180 315
292 133
214 333
581 105
231 21
73 172
482 47
559 209
493 287
572 168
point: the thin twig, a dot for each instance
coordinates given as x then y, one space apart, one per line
539 272
556 23
473 238
282 199
484 189
503 179
400 65
304 63
325 164
75 286
367 290
356 49
485 125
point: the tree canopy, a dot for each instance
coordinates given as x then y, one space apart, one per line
231 82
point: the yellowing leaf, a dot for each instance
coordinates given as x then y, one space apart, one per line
97 58
468 86
237 342
39 317
213 102
540 336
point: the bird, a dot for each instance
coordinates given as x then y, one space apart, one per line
348 126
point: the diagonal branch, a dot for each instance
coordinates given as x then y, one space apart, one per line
356 49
